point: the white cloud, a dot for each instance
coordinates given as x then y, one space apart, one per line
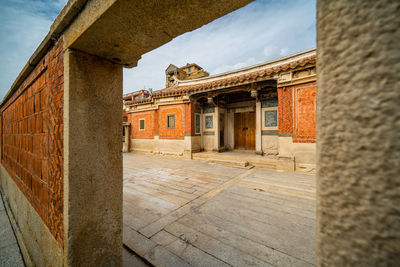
23 25
261 31
283 51
239 65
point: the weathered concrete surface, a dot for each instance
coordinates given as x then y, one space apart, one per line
358 126
179 212
123 30
36 242
92 160
10 255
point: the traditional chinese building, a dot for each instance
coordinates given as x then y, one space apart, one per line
268 108
190 71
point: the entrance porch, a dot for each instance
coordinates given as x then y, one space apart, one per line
237 118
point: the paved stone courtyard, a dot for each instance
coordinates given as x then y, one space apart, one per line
180 212
10 254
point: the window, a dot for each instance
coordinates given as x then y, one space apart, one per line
209 122
137 97
189 69
273 102
197 124
171 121
271 118
208 110
141 124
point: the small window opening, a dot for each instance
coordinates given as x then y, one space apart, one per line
141 124
171 121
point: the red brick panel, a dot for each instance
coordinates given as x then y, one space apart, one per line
178 132
32 139
124 116
285 113
156 129
148 132
189 119
304 113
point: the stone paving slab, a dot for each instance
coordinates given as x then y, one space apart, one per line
131 260
179 212
10 254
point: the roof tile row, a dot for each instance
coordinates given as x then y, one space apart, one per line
232 81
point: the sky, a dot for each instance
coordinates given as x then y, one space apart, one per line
261 31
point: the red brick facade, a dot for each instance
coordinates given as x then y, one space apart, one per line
179 132
32 139
189 119
297 111
285 111
296 115
156 122
304 115
148 132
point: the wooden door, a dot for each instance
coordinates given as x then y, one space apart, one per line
245 137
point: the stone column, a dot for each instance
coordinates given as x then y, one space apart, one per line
92 161
216 129
259 150
230 129
358 133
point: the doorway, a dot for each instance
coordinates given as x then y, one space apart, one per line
244 123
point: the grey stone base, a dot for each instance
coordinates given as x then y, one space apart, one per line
285 163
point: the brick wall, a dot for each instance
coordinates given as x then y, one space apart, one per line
179 131
296 112
32 139
189 119
148 132
304 115
285 110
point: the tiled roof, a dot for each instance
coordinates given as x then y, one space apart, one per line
225 82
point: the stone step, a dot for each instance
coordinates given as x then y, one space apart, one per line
240 163
258 161
265 163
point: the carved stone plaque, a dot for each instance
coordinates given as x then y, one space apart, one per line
209 122
271 118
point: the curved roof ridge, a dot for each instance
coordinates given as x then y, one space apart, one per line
253 68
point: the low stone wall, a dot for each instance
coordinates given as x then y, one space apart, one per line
158 146
303 154
38 245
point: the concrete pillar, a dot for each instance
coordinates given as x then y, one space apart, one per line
358 133
92 161
259 150
216 129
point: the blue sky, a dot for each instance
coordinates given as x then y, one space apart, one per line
261 31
